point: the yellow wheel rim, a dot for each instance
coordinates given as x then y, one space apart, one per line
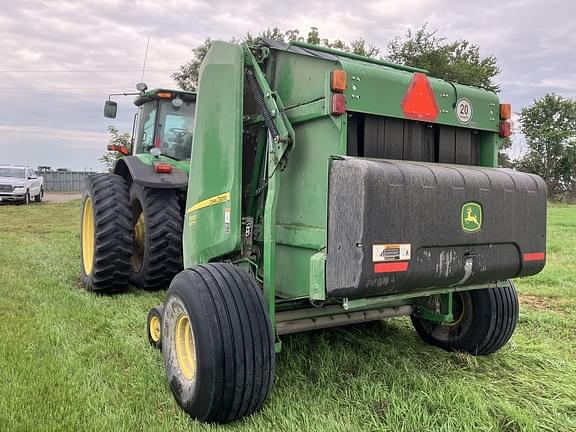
185 347
155 328
139 241
88 236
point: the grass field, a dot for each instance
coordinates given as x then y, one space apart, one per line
70 360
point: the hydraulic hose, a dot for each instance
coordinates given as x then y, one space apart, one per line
261 105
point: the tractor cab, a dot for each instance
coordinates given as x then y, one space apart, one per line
164 121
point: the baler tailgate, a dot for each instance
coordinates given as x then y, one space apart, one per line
397 226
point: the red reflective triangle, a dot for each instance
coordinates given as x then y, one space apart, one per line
419 102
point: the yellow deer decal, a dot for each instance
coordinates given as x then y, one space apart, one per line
471 217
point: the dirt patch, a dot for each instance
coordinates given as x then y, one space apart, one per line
61 197
542 303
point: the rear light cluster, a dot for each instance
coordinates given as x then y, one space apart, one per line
505 115
117 148
162 168
338 85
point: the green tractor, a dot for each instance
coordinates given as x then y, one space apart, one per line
324 189
132 219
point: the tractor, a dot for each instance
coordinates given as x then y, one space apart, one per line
324 189
132 219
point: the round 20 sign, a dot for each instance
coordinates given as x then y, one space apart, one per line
463 110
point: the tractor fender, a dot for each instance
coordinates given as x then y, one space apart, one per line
133 169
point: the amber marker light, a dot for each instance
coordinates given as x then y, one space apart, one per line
338 82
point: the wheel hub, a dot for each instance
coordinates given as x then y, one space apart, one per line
88 236
139 243
185 347
155 328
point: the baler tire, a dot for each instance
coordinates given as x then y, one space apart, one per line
105 234
218 343
154 326
488 319
157 257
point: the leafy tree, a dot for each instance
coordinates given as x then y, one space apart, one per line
187 76
110 158
458 61
549 125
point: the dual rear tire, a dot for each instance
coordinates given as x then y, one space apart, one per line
129 234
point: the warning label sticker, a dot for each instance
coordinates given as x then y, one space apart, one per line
390 252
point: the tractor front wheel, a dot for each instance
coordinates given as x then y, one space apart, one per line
217 343
484 321
106 234
158 222
154 326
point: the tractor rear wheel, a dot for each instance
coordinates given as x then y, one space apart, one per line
484 321
106 234
158 221
218 343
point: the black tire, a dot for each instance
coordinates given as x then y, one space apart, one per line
111 235
26 199
38 198
154 326
157 254
232 343
485 320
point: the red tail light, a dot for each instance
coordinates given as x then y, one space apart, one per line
505 129
338 104
161 167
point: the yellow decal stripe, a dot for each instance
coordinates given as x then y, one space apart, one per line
218 199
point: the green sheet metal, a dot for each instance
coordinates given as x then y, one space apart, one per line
213 205
148 159
379 90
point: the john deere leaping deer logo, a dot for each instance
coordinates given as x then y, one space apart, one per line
471 217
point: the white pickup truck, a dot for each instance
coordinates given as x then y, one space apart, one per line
20 183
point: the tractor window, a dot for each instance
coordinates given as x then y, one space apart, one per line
175 129
146 123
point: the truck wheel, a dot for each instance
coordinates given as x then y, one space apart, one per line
218 343
106 234
484 321
154 326
26 199
158 221
40 195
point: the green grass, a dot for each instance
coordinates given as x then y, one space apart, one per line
71 360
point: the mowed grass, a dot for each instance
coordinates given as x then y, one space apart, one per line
71 360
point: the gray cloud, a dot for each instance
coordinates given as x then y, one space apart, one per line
56 118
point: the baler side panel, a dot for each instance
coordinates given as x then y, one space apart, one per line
213 206
302 201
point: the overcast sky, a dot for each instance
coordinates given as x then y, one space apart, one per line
60 59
